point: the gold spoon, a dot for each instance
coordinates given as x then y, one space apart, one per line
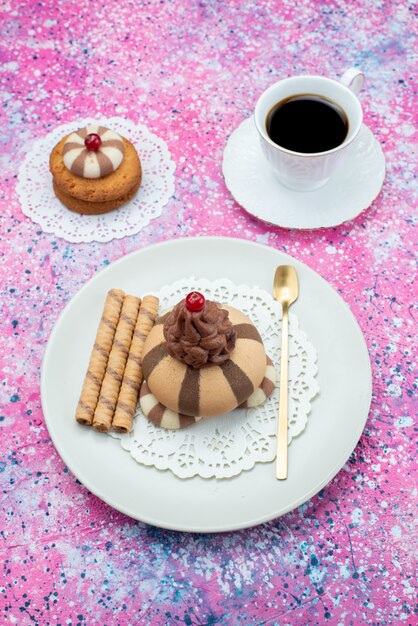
286 291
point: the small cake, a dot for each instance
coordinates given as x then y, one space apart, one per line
202 359
95 170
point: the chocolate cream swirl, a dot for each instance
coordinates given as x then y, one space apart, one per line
199 338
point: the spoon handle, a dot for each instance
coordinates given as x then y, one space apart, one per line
281 458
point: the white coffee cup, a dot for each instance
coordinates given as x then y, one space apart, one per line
308 171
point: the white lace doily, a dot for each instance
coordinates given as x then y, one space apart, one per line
224 446
38 201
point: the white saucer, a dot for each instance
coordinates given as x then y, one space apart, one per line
252 182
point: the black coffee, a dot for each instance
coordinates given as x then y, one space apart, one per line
307 123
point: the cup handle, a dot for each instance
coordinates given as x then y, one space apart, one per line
353 79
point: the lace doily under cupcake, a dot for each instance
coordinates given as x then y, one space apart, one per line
224 446
39 202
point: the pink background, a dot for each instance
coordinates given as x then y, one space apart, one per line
191 72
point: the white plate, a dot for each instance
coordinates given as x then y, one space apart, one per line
338 415
353 187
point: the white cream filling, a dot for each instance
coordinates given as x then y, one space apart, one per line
115 155
71 156
91 166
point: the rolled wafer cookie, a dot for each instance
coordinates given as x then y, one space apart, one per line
109 391
132 378
99 357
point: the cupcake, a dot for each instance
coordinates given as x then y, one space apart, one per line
95 170
202 359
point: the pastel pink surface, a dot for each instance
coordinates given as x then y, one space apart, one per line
192 72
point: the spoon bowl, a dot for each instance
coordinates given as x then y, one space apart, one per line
286 286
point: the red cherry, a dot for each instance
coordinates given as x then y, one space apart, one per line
93 142
195 302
